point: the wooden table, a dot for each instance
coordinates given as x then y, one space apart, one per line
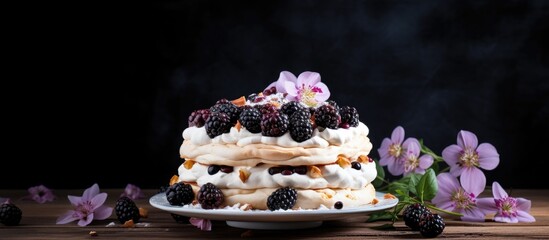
39 223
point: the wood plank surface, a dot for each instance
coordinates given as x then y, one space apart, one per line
38 222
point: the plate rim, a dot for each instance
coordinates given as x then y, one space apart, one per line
273 216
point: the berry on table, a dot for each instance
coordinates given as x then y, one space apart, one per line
412 215
431 225
10 214
126 210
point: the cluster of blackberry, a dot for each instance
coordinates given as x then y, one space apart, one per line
418 217
269 120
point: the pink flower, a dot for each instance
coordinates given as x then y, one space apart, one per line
452 197
87 208
507 209
412 161
133 192
306 88
40 194
467 156
392 151
203 224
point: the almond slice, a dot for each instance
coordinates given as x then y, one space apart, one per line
314 172
389 196
244 175
363 159
375 201
246 207
129 224
188 164
241 101
174 180
238 126
144 213
343 161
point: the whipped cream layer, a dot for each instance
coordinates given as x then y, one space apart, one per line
242 148
333 176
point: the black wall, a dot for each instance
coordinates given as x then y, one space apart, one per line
101 93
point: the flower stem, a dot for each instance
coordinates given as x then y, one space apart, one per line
445 169
444 211
383 180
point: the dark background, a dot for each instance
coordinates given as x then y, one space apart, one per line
101 92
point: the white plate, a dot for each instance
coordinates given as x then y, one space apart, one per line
266 219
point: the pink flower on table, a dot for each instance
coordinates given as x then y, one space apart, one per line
87 208
133 192
203 224
391 152
40 194
451 196
507 209
306 88
467 157
413 163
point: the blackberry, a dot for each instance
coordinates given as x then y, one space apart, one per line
266 108
334 104
349 116
210 196
327 116
198 118
180 194
412 215
274 124
228 108
217 124
431 225
163 188
222 101
10 215
301 128
179 218
251 120
290 107
282 198
126 210
269 91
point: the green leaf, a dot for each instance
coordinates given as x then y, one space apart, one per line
380 175
427 187
379 216
414 180
435 167
398 188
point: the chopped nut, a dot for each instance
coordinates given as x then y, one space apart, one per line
188 164
363 159
241 101
343 161
246 207
238 126
375 201
144 213
326 195
129 224
389 196
351 196
174 180
93 233
314 172
244 175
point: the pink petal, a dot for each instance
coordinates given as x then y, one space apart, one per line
467 139
411 145
397 136
456 170
286 76
488 156
450 154
290 88
68 217
524 204
203 224
523 216
395 167
499 218
85 221
103 212
419 170
443 201
383 150
324 94
473 180
498 191
425 161
487 205
98 200
90 192
447 184
308 79
385 161
75 201
473 215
